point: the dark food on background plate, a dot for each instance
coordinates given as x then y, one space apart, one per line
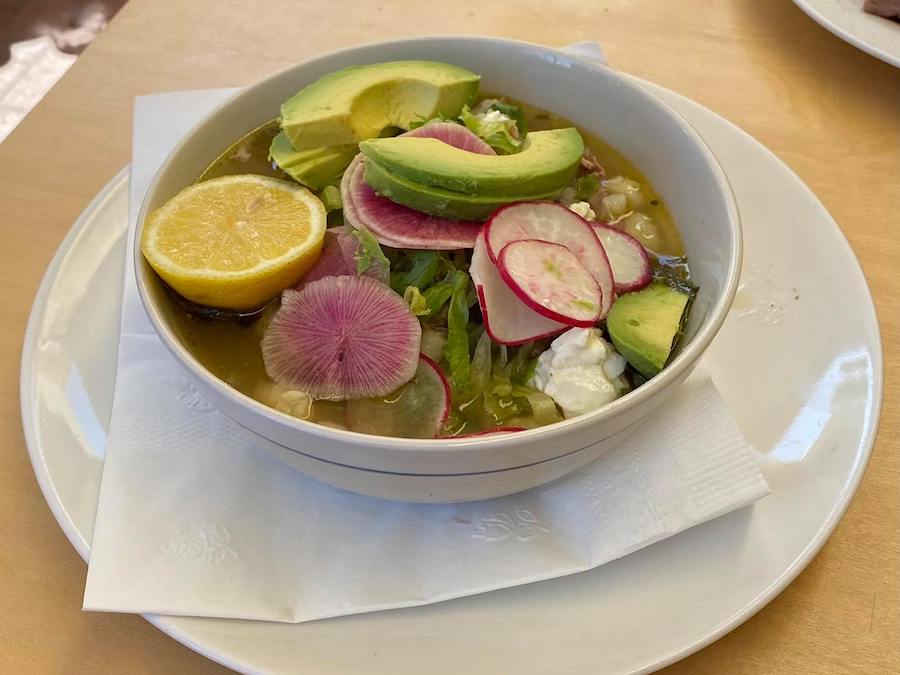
419 260
889 9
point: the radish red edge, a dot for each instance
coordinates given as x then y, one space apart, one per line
519 323
629 260
526 296
444 381
422 404
485 314
591 253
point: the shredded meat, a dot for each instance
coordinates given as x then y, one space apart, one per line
590 163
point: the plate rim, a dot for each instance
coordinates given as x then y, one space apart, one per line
802 561
808 7
27 393
169 627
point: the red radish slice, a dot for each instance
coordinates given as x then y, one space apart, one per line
507 320
548 278
628 259
399 226
553 222
419 409
342 338
338 258
490 432
453 134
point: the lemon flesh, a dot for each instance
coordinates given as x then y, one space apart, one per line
235 242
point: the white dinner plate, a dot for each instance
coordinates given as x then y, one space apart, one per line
875 35
798 361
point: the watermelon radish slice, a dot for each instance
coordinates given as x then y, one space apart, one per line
342 337
419 409
507 320
549 278
490 432
629 260
452 134
338 258
396 225
399 226
553 222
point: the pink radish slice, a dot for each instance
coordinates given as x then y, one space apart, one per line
338 258
453 134
553 222
399 226
548 278
491 432
629 260
419 409
341 338
507 320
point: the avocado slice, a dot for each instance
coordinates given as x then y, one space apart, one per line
547 162
313 168
644 326
436 201
353 104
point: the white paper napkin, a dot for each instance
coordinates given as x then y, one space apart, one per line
194 520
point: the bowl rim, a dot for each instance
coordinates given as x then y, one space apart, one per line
680 366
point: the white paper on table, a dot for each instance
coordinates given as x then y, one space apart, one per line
194 520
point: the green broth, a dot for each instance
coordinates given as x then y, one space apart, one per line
231 351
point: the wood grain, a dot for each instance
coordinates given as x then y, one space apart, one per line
830 111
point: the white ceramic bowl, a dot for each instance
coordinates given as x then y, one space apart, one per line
648 132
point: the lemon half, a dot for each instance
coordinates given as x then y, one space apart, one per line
235 242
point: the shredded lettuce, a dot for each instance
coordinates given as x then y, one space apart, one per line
416 301
436 296
502 356
519 363
543 408
422 121
369 253
330 195
432 344
480 373
494 128
456 350
515 113
425 266
527 371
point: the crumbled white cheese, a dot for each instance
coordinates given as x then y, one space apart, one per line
493 116
584 210
580 371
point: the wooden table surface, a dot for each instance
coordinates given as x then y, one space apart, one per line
830 111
